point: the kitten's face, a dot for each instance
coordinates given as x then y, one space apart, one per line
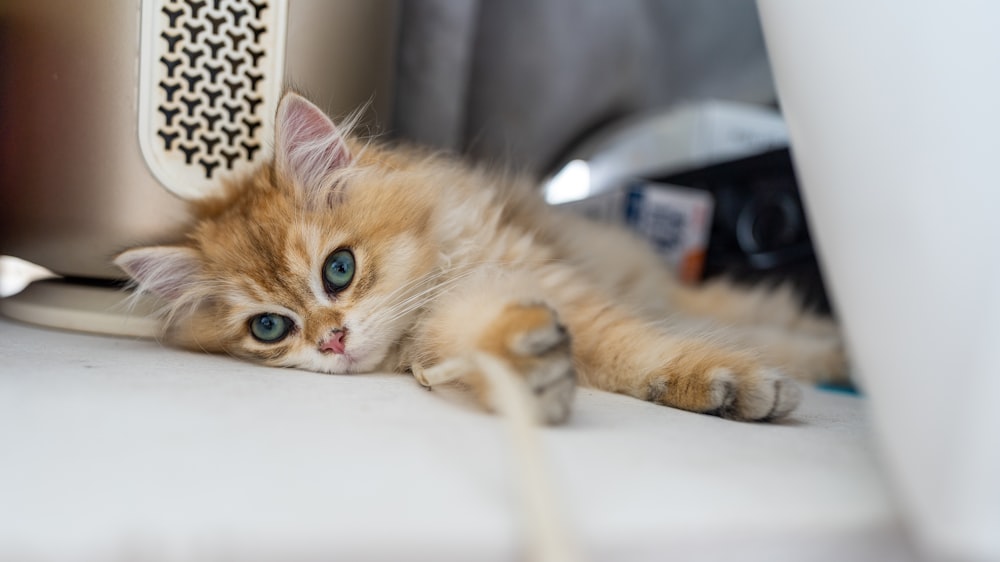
327 290
317 262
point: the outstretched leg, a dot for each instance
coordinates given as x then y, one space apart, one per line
618 351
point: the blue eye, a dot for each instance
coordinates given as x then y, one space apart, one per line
338 271
270 328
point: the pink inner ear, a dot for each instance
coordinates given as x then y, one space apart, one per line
166 271
308 144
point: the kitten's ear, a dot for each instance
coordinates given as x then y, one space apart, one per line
163 270
308 145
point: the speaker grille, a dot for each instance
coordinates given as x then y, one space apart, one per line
210 78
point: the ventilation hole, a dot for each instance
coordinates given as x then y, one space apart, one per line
233 110
252 125
192 80
195 7
257 31
234 88
194 31
211 119
215 22
212 95
191 104
169 114
193 55
210 143
168 138
213 72
169 90
230 158
251 148
209 165
171 65
255 56
172 16
214 47
231 135
253 102
189 152
235 62
189 128
171 39
236 39
237 15
258 7
255 78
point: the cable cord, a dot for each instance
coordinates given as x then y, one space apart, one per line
548 537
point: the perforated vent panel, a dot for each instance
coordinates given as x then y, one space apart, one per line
210 78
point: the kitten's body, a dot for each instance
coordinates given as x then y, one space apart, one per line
452 261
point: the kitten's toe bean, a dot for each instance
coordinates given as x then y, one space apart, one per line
529 338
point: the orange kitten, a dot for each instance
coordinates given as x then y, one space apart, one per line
346 257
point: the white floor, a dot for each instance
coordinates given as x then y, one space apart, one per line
118 449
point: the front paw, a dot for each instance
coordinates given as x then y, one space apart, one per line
529 338
725 384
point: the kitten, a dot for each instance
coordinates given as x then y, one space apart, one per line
348 257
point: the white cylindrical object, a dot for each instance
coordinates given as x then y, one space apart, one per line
893 112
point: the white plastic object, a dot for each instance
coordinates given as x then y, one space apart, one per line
893 111
210 76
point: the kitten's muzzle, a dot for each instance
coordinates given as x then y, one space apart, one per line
334 343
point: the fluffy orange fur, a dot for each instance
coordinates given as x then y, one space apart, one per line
449 261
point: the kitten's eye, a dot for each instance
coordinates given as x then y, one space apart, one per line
338 271
270 328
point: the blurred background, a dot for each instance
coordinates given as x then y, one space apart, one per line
638 90
524 82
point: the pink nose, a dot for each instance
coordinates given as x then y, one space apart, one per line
335 343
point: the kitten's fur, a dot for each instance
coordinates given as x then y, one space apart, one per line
451 261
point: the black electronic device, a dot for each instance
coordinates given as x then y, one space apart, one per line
759 229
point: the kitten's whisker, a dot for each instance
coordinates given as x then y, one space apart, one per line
420 299
412 284
414 301
417 284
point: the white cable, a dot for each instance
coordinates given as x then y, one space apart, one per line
548 539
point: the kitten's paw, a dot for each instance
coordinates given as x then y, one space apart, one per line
724 384
529 338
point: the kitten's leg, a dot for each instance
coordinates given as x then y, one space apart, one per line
506 317
619 352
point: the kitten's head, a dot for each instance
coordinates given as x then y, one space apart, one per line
315 261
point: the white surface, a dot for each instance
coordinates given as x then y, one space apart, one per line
119 449
60 303
894 115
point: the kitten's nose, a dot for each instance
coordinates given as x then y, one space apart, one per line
335 342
